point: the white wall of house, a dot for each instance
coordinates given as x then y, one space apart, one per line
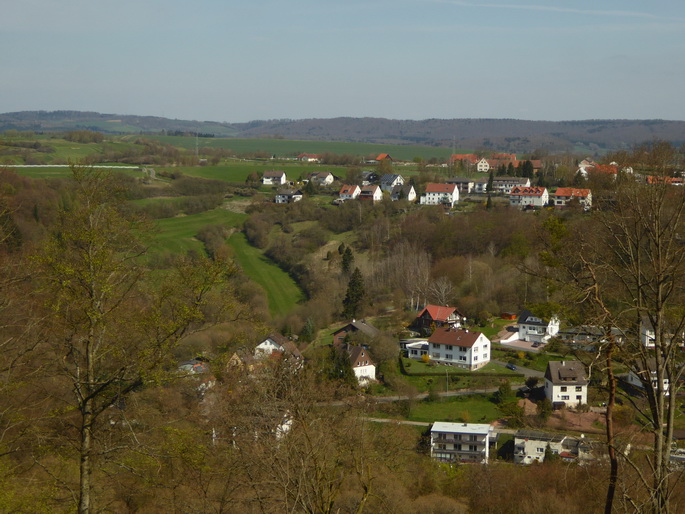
440 198
571 395
634 380
365 374
537 333
461 442
471 358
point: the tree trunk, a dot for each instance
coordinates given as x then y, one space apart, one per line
85 453
613 459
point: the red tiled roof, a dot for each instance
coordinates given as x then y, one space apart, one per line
383 156
604 168
438 312
469 157
462 338
348 190
572 191
440 188
528 191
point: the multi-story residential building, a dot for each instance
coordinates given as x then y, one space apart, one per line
563 195
566 383
461 442
440 194
461 348
526 197
536 330
504 185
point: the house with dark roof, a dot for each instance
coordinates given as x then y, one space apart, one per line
461 348
390 180
274 178
277 345
566 383
535 329
371 193
363 366
403 193
355 326
288 195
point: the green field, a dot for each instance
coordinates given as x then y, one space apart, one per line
281 289
290 148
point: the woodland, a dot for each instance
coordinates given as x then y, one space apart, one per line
95 318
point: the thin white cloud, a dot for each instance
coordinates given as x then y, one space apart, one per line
565 10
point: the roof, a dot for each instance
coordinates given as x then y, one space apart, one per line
454 337
572 191
390 177
566 373
440 188
383 156
540 436
359 356
469 157
528 318
360 325
369 190
528 191
274 173
461 428
438 312
289 192
348 190
513 180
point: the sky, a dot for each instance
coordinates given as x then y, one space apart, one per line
237 61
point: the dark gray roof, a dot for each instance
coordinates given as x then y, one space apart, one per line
528 318
539 436
566 373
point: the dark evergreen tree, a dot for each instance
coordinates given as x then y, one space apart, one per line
491 181
354 296
347 260
488 204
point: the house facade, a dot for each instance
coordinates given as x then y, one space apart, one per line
322 178
641 376
531 445
535 329
390 180
363 366
274 178
461 348
566 383
563 195
349 192
403 193
371 193
288 196
522 197
440 194
439 316
276 343
461 442
504 185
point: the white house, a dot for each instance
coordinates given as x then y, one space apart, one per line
417 349
274 178
523 197
461 348
530 446
322 178
565 383
349 192
563 195
362 365
372 193
390 180
642 375
309 157
504 185
276 344
461 442
483 166
536 330
440 194
403 192
288 196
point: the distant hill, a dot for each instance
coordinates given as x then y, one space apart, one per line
488 134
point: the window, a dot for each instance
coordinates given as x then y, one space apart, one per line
475 358
579 398
563 389
473 448
473 438
540 450
579 389
435 355
462 357
448 356
436 346
564 397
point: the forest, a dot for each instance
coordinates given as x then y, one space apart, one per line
97 314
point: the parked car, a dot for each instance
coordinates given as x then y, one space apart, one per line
511 367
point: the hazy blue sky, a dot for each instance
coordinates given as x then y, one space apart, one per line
228 60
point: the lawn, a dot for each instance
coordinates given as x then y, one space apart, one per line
282 291
475 408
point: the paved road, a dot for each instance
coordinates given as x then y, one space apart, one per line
527 372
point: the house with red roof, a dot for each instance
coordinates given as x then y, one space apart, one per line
563 195
439 316
383 157
440 194
349 192
458 347
527 197
465 158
